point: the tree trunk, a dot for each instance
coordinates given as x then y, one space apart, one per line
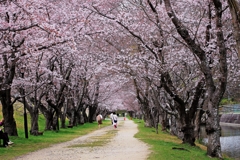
155 118
72 119
235 13
164 120
55 124
92 113
148 122
9 61
156 121
85 116
197 123
7 109
49 120
174 127
148 119
64 114
130 113
79 118
34 122
63 120
188 135
213 131
75 118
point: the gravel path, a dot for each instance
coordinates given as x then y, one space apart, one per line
122 146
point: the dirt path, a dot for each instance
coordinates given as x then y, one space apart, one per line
121 145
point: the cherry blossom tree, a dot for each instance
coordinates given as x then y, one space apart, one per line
215 89
206 46
15 27
64 57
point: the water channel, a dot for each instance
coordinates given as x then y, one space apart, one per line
230 139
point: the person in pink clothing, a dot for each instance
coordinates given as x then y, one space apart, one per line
99 120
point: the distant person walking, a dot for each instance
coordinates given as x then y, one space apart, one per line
99 120
114 119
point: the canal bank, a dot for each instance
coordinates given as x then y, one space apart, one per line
230 135
232 118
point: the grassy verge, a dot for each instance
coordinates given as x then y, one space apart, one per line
22 145
165 146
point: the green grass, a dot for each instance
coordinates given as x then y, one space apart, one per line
226 101
162 145
22 145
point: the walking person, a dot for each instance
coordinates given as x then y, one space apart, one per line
99 120
115 119
4 135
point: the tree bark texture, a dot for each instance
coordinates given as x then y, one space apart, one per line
7 109
235 13
34 123
5 95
